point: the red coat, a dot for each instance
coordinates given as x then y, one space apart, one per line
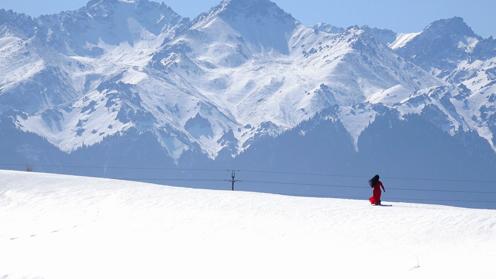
376 193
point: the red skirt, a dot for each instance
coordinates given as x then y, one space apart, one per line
376 196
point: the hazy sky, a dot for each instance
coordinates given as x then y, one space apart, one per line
398 15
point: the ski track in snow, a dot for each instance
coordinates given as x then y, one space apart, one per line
55 226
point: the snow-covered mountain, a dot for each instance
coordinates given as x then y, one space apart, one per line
90 30
57 226
451 51
244 84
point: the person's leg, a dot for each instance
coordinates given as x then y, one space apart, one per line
378 198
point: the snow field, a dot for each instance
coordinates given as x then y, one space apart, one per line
56 226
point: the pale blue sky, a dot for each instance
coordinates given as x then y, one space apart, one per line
398 15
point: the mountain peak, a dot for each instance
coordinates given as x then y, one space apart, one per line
251 9
97 5
442 45
327 28
142 8
251 5
261 23
94 3
108 21
454 25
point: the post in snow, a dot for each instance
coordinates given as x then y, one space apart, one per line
233 179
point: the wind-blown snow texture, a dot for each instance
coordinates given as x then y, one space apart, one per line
133 83
71 227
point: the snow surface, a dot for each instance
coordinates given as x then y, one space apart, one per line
17 62
402 39
73 227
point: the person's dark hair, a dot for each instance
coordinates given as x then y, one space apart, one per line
374 180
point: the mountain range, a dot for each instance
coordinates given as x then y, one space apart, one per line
129 88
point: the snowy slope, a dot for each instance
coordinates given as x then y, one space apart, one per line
451 50
89 30
254 87
402 39
72 227
478 80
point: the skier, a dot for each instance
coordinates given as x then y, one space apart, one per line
376 184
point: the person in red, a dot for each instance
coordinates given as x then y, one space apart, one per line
376 184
